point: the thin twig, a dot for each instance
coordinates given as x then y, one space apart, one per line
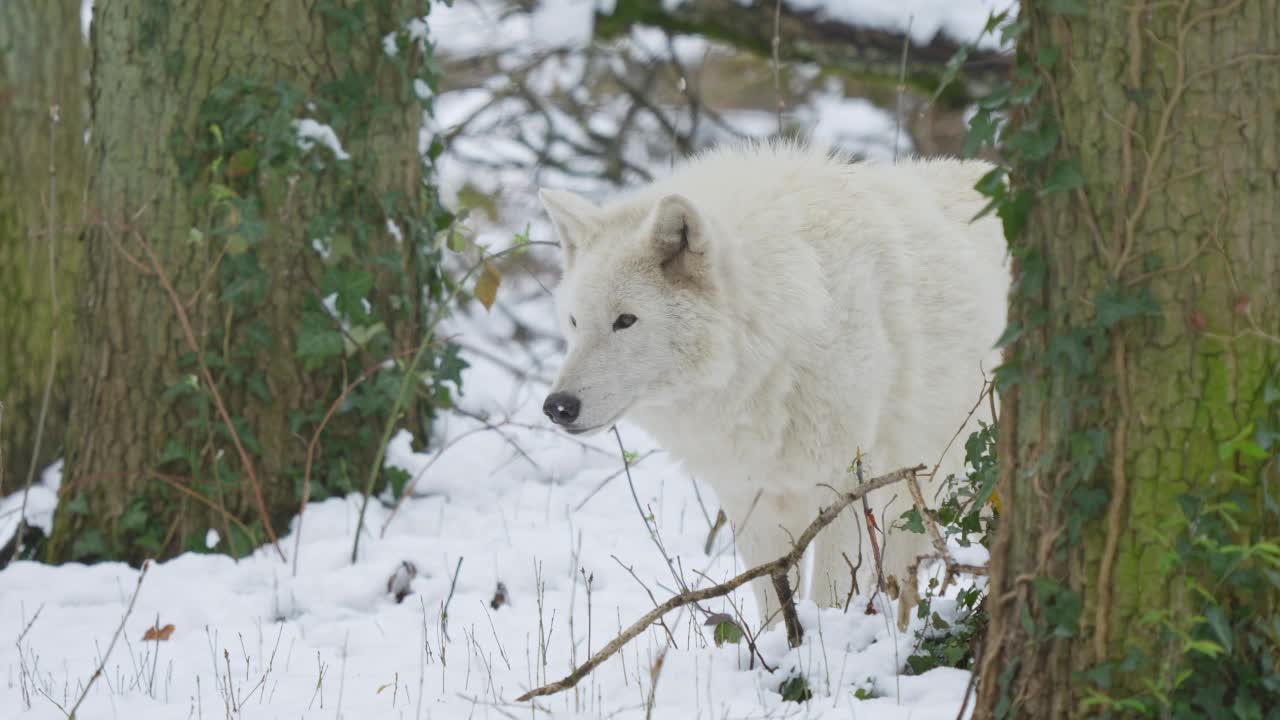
650 525
786 561
787 603
497 428
870 518
172 482
777 63
631 571
902 81
146 565
609 479
311 451
654 672
410 373
410 486
444 613
853 574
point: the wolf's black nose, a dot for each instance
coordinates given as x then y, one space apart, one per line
561 407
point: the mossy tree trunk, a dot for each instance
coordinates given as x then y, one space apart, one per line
211 216
44 64
1142 393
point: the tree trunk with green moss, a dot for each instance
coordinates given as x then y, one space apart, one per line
220 230
1136 572
44 62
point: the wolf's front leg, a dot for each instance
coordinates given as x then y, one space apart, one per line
767 535
842 560
845 559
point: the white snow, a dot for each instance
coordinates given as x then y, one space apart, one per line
855 123
311 131
86 18
519 505
530 522
41 502
394 230
468 28
961 20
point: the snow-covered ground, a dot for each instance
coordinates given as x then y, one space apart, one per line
549 519
251 639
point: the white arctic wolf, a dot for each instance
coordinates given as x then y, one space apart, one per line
766 310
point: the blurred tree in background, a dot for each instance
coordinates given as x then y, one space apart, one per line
44 63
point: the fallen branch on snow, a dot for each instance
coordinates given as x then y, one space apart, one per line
771 569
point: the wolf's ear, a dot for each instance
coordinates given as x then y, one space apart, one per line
679 237
574 218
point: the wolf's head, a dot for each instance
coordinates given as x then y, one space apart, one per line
641 304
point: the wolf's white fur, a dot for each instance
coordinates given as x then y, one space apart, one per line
791 308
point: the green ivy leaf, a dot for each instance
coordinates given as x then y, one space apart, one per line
134 518
1064 176
992 183
912 521
921 664
1115 305
796 689
317 338
88 544
1220 625
949 71
1047 57
360 335
1013 213
982 131
78 505
1011 333
727 632
1068 7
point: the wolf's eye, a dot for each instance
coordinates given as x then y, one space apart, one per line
572 321
624 321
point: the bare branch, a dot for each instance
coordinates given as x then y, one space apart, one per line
783 563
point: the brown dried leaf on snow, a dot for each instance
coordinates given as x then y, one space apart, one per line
499 596
158 633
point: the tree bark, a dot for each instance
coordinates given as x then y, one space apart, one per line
44 62
1149 332
152 466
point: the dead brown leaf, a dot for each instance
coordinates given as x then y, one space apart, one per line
487 284
158 633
